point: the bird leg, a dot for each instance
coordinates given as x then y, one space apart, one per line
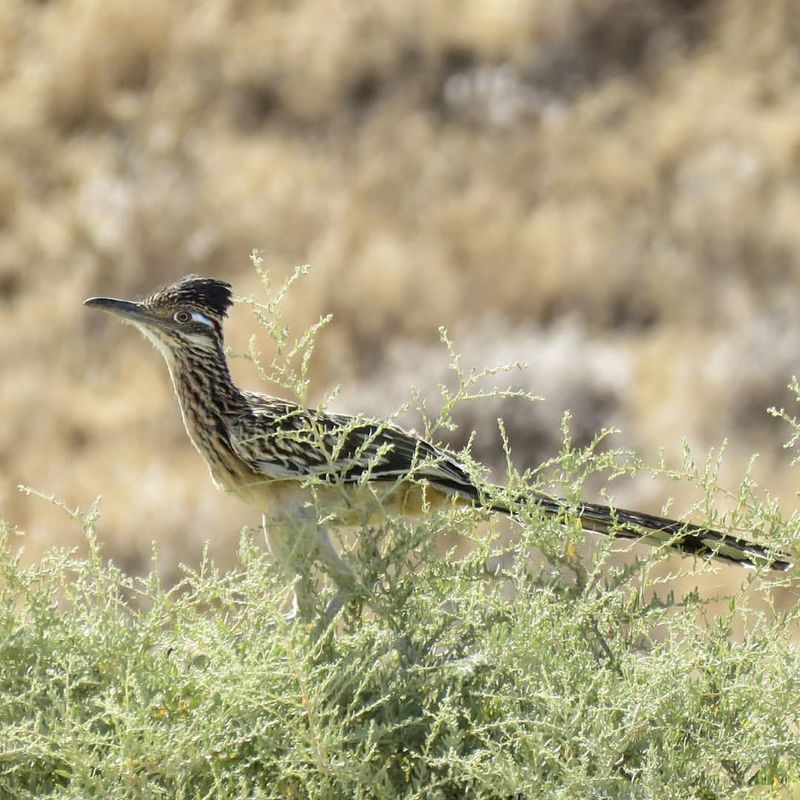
342 574
284 553
292 543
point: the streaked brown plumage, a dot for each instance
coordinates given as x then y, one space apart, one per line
264 450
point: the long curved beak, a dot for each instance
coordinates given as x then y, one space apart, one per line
127 311
119 308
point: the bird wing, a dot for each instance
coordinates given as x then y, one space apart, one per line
283 440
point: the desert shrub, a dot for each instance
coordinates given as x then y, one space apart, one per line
519 667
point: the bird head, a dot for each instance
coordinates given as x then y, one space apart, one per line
187 314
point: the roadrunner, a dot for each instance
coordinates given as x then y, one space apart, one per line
288 460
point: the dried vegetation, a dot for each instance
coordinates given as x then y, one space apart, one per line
604 188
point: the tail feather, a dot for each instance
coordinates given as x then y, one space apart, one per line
683 536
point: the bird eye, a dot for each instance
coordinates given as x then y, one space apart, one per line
181 316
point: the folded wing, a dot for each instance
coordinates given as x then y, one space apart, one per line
282 440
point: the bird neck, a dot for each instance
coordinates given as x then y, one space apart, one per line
203 382
209 400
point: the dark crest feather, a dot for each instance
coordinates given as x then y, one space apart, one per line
208 294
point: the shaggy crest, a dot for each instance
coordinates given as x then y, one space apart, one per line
206 294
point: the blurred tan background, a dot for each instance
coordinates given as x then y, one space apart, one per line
606 189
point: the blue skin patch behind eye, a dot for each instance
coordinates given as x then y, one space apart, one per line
198 317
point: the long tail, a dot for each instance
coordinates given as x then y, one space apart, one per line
683 536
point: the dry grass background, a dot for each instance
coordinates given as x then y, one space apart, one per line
607 189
